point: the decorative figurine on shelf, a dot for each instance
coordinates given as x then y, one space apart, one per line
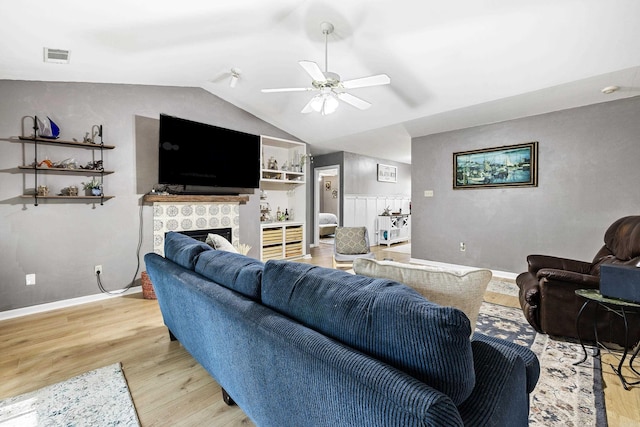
67 164
47 129
43 191
96 131
93 165
93 187
87 139
46 163
71 190
273 164
386 211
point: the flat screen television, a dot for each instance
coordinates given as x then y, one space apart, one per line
207 159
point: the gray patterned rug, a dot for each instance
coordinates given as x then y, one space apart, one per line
565 395
96 398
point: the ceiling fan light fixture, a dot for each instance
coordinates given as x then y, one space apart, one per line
330 85
324 103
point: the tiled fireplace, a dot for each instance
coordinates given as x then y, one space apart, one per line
188 216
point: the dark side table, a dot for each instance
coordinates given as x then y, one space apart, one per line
620 308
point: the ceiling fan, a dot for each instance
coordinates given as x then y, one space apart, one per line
330 86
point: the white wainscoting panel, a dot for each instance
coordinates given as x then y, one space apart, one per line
363 209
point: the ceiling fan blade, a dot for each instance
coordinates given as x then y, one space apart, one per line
288 89
307 108
313 70
380 79
354 100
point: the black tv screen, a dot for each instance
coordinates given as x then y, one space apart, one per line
193 154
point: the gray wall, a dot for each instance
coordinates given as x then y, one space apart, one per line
327 202
361 176
330 159
61 242
358 175
588 170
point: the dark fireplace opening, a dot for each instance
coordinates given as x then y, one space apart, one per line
202 234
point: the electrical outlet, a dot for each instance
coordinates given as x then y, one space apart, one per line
428 193
97 269
31 279
463 247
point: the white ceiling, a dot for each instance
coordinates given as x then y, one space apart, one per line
452 64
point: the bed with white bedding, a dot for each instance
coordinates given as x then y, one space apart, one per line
327 223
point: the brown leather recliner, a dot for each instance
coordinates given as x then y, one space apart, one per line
547 290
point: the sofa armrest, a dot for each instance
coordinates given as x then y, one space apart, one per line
538 262
531 362
505 375
555 275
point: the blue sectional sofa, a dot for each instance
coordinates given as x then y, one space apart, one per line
299 345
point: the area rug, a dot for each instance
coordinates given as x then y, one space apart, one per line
402 249
565 395
96 398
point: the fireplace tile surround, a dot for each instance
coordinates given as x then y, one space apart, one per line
175 213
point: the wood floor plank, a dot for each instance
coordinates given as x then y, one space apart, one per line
168 387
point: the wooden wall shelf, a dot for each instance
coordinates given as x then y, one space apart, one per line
63 142
96 198
168 198
67 170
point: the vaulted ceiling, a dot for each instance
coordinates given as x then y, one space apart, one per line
452 64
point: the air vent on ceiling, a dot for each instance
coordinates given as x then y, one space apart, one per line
57 56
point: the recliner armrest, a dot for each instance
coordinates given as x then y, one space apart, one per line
538 262
556 275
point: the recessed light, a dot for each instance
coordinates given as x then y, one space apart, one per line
610 89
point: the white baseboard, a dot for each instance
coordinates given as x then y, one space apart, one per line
496 273
41 308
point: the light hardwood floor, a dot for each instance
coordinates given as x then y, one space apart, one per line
169 388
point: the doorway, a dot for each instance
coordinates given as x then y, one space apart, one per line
327 195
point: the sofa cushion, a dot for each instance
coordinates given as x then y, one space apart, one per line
232 270
382 318
464 291
183 250
220 243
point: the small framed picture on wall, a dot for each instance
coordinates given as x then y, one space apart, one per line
387 173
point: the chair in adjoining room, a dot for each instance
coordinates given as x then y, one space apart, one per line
547 289
350 243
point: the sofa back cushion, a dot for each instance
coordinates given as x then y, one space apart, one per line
183 250
382 318
232 270
464 291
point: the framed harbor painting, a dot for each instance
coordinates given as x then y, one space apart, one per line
507 166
